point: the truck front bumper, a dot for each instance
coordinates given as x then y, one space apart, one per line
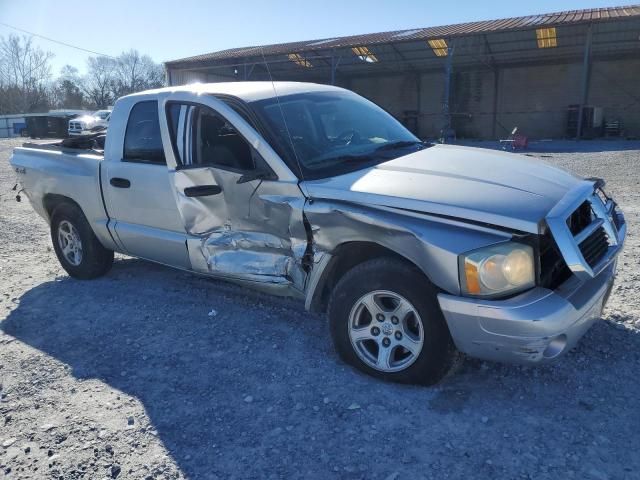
534 327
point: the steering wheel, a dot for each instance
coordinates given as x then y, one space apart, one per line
348 137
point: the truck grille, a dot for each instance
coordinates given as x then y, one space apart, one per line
581 218
553 269
594 246
586 236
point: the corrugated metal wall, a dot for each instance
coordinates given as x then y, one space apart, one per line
11 126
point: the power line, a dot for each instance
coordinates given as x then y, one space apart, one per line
56 41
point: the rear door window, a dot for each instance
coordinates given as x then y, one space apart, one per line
142 139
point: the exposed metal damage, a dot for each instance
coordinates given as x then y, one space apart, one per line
268 244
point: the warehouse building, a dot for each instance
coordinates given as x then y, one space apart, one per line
559 75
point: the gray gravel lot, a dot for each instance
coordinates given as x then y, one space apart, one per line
154 373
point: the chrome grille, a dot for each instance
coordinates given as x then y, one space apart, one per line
580 218
588 229
594 247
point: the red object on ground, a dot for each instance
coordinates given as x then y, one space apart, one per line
519 141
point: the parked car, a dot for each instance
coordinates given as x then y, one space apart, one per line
415 251
88 124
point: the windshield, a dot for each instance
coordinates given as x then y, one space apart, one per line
102 114
331 133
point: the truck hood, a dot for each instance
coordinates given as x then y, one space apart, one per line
480 185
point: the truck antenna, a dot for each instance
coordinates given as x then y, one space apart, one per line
286 127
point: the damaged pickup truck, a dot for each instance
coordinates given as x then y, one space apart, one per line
416 252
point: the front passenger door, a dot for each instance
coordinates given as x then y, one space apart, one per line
219 179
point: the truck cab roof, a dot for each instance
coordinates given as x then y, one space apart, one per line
247 91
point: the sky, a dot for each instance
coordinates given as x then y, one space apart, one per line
168 30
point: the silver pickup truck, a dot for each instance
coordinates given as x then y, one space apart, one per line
415 251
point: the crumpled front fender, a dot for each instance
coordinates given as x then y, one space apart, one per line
432 243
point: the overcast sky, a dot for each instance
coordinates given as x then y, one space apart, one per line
168 30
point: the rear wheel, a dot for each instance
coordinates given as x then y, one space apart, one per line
385 320
79 251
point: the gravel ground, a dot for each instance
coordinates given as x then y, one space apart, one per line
154 373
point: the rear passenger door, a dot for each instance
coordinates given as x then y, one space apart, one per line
138 193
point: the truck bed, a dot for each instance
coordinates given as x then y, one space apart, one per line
79 144
50 170
59 147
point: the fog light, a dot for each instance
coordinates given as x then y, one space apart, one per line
556 346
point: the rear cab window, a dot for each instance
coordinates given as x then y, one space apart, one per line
142 139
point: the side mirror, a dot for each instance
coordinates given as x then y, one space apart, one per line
261 170
255 175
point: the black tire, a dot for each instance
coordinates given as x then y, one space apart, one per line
438 354
95 259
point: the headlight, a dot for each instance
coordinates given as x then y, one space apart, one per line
497 270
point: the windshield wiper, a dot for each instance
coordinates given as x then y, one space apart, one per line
342 158
371 156
399 144
352 158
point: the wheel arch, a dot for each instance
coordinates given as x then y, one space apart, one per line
51 201
342 259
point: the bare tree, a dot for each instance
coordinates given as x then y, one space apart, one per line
100 81
26 85
66 91
136 72
24 74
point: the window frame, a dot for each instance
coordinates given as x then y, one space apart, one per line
259 162
163 163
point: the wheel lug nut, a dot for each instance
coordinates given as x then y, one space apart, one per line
398 335
394 320
375 331
386 342
380 317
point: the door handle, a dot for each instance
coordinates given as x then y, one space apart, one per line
120 182
202 190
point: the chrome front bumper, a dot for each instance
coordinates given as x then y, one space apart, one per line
542 324
534 327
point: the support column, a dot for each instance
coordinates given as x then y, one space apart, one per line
586 76
418 102
334 66
248 71
496 93
447 87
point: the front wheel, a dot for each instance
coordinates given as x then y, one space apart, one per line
385 320
79 251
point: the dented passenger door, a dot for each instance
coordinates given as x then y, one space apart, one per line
242 220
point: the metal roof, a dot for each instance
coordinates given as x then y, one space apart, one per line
567 18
